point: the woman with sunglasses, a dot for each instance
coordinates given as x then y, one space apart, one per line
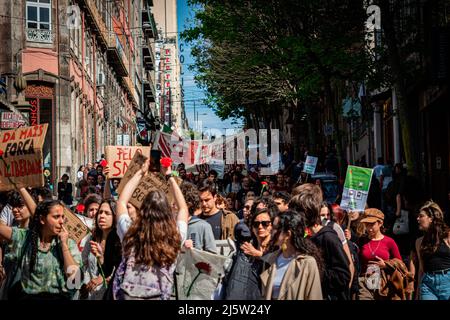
294 269
261 226
433 253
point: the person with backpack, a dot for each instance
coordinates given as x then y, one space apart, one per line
44 256
151 243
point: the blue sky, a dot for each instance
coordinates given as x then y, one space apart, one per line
192 93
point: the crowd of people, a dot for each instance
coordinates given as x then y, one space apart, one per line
290 243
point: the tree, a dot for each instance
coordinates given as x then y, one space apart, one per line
256 56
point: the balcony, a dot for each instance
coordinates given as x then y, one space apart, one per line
149 87
148 22
116 56
95 19
39 35
148 57
129 88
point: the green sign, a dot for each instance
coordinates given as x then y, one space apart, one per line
358 178
356 188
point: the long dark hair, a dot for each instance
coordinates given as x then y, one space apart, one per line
153 238
42 210
295 222
437 230
98 232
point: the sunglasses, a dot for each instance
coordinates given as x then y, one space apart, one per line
265 224
247 207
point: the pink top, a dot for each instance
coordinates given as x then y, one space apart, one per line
385 248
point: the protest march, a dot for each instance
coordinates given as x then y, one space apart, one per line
137 228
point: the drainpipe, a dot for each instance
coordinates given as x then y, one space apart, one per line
55 177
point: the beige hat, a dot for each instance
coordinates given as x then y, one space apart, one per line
372 215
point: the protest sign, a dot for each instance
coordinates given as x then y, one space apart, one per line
356 188
21 157
119 158
310 164
76 228
133 167
199 273
151 182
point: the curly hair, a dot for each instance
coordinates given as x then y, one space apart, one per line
153 238
190 193
295 222
97 234
42 210
15 200
437 231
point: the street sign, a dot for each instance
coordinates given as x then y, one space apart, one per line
11 120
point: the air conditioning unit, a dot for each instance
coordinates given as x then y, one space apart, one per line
101 81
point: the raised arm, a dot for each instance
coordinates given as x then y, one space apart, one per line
107 190
28 199
129 188
183 212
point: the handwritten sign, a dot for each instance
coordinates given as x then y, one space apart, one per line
119 158
21 159
134 166
76 228
151 182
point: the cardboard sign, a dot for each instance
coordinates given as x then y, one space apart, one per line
133 167
119 158
21 160
356 188
150 182
76 228
310 165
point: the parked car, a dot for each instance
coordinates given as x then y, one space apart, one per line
329 183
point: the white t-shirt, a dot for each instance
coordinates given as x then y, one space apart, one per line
282 266
6 216
124 222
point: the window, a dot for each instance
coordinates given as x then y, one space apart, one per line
39 14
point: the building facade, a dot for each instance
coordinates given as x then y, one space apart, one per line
86 67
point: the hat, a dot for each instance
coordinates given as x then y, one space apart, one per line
372 215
